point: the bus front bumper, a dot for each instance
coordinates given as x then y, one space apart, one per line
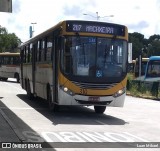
68 99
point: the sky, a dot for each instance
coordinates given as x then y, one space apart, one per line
142 16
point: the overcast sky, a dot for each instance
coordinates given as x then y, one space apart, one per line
141 16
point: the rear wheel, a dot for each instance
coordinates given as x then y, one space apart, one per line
99 109
52 106
29 94
17 77
4 79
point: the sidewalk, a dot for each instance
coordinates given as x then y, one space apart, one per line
7 129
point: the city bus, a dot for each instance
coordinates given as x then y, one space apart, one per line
153 69
81 63
143 67
9 66
131 66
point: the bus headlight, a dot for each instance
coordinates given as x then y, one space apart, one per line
66 90
119 92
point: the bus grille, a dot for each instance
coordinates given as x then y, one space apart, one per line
94 86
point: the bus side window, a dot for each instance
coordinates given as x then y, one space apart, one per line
0 61
49 48
8 60
30 53
27 54
38 52
24 55
43 50
11 61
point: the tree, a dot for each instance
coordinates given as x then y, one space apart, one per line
147 47
8 42
137 44
154 45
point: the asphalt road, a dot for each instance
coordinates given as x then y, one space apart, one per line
73 128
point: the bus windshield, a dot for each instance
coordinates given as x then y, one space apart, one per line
94 57
153 68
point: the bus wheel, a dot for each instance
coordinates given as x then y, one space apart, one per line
99 109
4 79
52 106
17 77
29 94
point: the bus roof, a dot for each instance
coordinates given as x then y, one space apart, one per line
9 54
143 59
154 58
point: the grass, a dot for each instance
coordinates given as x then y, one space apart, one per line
139 89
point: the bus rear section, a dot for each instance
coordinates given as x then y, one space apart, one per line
80 63
9 66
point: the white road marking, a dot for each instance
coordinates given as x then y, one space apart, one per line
10 85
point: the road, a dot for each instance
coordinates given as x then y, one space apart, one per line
30 121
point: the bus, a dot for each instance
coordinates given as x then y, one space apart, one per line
75 62
143 67
131 66
9 66
153 69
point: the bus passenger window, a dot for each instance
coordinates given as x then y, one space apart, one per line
30 53
43 56
28 56
11 61
49 48
24 55
38 51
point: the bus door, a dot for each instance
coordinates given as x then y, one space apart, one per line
21 67
56 49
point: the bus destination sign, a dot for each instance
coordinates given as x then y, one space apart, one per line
95 27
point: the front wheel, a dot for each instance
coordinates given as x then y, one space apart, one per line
99 109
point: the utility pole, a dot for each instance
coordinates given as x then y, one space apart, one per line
97 16
31 30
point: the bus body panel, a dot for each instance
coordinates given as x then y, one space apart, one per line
9 71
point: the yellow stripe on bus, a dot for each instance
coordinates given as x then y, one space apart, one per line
77 90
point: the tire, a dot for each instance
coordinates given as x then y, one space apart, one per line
99 109
29 94
51 105
4 79
17 77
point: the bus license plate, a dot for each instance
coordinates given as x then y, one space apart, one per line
94 98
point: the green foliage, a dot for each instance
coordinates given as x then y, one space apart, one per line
140 89
146 47
8 42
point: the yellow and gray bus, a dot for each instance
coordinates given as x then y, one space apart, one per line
9 66
143 67
77 63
